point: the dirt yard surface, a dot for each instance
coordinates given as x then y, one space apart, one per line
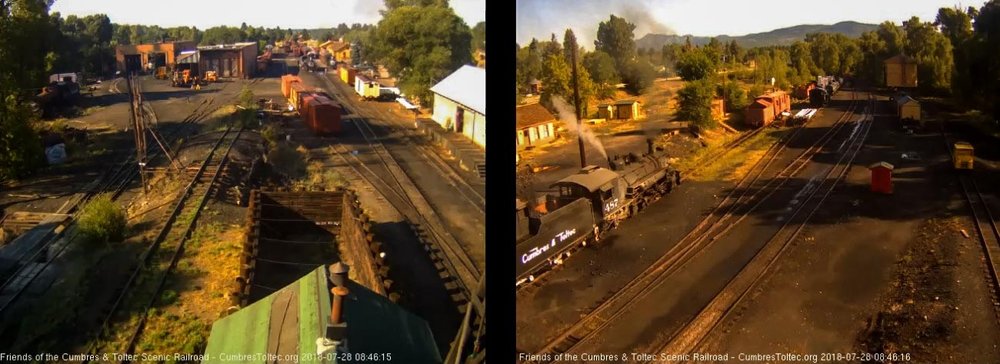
875 273
84 279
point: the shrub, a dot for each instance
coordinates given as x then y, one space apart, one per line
288 161
102 220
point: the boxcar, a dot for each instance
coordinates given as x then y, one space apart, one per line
963 155
286 83
321 115
347 74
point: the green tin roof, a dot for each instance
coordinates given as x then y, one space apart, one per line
288 322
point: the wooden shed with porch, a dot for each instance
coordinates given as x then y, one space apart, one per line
620 110
535 125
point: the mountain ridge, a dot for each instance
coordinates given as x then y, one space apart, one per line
780 36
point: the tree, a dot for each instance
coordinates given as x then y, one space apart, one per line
695 65
479 36
422 45
615 37
529 65
695 103
733 95
933 53
638 75
601 68
556 76
569 45
22 71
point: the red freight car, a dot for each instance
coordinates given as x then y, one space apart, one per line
321 115
767 107
802 92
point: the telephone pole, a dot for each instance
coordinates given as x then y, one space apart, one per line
576 105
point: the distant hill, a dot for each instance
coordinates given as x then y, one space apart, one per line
783 36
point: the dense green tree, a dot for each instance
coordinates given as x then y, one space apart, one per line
479 36
422 45
529 65
556 77
616 37
733 96
637 75
601 68
22 70
933 53
695 65
695 103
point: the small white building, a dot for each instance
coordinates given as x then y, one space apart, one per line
460 103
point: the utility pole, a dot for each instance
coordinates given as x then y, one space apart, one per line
576 105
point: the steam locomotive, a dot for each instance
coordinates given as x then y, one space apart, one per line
826 86
589 203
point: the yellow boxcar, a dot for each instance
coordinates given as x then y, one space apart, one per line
962 154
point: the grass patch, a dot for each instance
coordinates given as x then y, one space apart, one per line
734 164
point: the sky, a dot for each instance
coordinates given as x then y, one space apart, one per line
541 18
204 14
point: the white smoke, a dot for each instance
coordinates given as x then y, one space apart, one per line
568 116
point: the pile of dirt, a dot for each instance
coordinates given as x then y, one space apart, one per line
919 314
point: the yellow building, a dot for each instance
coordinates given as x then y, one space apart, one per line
339 49
900 71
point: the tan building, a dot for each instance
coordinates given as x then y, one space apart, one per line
907 108
139 57
229 60
535 125
620 110
900 71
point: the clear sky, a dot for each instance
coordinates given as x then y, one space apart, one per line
270 13
540 18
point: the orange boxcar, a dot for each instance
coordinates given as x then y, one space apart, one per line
286 83
294 95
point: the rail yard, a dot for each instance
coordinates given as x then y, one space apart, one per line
204 183
774 245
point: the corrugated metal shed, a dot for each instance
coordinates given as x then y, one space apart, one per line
290 320
466 86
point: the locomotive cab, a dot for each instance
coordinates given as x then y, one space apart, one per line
604 189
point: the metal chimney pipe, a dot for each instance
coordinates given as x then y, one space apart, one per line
338 273
649 143
337 311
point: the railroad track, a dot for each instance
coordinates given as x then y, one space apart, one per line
989 235
986 227
411 201
143 288
739 289
705 233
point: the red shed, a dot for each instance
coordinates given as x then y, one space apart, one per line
881 177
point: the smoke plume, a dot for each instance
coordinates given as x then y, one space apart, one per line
568 117
540 18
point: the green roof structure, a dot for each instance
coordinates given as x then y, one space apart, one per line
284 327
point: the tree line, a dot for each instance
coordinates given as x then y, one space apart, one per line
955 55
